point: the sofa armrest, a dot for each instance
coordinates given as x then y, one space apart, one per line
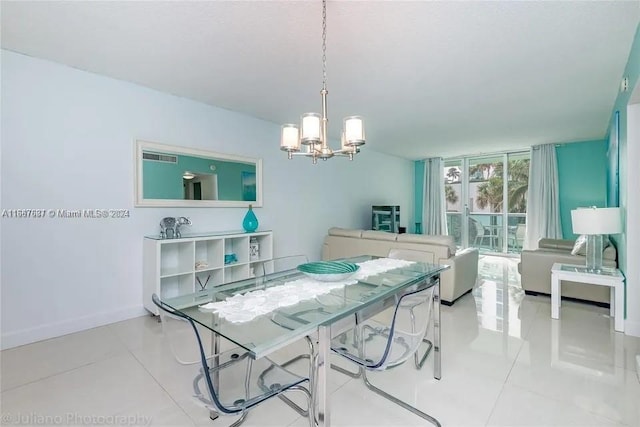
556 244
462 275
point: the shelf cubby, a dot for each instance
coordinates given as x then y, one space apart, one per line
176 258
174 286
211 252
238 246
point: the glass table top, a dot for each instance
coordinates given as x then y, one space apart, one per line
604 271
271 331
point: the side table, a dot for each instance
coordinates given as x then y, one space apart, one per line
608 276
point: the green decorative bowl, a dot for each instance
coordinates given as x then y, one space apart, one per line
329 271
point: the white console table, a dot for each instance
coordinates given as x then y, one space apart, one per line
611 277
170 268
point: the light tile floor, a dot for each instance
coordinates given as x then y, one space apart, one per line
505 363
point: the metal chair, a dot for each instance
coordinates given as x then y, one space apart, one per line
516 236
373 346
483 234
235 383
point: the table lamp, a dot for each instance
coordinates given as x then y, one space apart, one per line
594 223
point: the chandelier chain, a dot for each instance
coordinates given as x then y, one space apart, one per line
324 44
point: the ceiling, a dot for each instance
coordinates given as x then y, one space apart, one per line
430 78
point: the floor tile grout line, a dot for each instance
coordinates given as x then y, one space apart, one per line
513 362
66 371
82 365
506 378
495 404
162 387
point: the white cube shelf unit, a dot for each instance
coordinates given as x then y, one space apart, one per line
175 267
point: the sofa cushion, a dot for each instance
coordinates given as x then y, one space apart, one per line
580 246
345 232
379 235
610 252
439 240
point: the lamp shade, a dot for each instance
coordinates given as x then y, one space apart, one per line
310 128
596 220
290 140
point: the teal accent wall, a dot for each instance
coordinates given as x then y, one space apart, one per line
419 193
582 176
163 180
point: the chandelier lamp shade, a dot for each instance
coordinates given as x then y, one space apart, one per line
311 139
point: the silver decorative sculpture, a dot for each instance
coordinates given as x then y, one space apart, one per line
170 227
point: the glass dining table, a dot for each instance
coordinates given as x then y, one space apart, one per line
321 317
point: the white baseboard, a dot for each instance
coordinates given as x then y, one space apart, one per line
632 328
52 330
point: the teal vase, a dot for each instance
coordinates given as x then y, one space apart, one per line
250 222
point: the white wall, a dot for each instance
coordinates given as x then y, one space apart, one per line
67 142
632 322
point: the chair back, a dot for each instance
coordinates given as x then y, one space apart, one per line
178 334
289 262
479 228
379 347
521 231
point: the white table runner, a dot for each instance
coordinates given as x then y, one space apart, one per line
244 308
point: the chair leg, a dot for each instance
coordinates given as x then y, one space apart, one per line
399 402
420 362
240 420
302 412
308 356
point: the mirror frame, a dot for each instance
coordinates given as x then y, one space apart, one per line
140 201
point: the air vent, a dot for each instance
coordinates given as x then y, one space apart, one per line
157 157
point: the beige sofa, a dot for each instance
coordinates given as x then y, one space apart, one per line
535 270
455 282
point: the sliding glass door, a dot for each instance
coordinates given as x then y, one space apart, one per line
486 200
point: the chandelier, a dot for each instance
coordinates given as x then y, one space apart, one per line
313 126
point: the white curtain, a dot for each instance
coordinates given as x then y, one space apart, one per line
543 205
434 215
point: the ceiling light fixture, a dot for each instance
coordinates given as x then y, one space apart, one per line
313 126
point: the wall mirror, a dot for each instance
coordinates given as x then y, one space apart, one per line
171 176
